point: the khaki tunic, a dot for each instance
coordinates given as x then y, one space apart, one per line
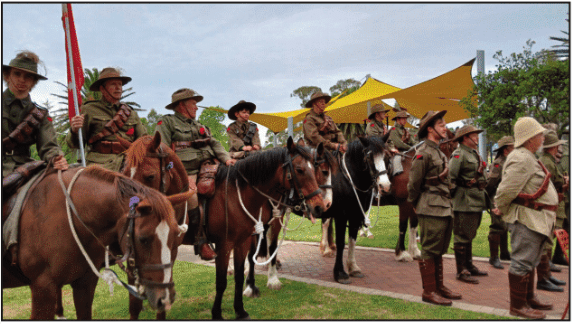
178 128
522 174
97 114
237 131
13 113
464 163
329 137
396 134
376 128
558 181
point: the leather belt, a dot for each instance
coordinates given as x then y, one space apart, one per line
107 147
534 205
176 146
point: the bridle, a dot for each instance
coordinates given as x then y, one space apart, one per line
317 164
164 167
374 173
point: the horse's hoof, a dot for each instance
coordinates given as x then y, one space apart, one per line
344 281
274 285
245 317
252 292
356 274
61 318
404 257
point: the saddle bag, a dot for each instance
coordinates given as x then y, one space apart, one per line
21 175
206 178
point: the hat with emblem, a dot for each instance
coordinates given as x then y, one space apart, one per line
401 114
427 119
466 130
377 108
503 142
552 140
183 94
526 128
315 96
26 63
106 74
240 106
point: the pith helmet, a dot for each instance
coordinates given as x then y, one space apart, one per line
375 109
106 74
465 130
552 140
401 114
427 120
240 106
183 94
526 128
24 64
503 142
315 96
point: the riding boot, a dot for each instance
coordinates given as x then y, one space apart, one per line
463 274
494 240
469 263
503 247
558 257
440 288
532 300
543 275
430 295
201 246
518 298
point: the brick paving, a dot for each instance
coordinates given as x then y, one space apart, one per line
384 276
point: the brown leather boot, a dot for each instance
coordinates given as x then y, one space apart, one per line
494 260
543 275
518 298
440 288
469 263
532 300
462 273
207 252
427 269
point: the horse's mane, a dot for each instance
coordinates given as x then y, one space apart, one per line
136 152
375 143
128 188
331 161
259 167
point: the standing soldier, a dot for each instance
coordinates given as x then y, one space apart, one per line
243 135
562 161
320 128
400 139
545 281
194 145
498 229
469 200
429 192
108 125
527 200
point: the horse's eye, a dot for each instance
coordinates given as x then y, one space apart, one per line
301 171
325 173
149 178
145 240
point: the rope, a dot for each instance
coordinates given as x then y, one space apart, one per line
283 227
183 227
345 169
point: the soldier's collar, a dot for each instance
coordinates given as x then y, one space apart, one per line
381 124
9 98
432 144
549 155
467 148
315 113
241 124
184 118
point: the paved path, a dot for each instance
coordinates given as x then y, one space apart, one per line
301 261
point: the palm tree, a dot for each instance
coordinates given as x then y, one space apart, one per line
561 51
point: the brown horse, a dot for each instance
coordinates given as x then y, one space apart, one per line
113 211
243 190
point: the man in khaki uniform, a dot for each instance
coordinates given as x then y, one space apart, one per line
429 193
527 200
498 229
376 125
193 144
399 135
319 127
105 119
469 199
545 281
243 135
562 160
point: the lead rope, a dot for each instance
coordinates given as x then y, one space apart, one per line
183 227
345 169
109 276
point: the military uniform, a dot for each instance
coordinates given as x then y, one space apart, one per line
107 151
401 138
316 131
557 179
13 113
376 128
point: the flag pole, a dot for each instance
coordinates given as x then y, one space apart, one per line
73 83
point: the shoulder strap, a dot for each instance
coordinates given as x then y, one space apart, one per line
250 133
113 125
544 186
23 132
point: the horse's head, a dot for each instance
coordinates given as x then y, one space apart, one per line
447 146
374 151
154 164
147 237
325 165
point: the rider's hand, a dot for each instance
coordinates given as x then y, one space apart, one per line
60 163
256 148
342 148
395 151
247 148
496 211
231 162
77 123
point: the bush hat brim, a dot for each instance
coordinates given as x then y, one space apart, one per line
240 106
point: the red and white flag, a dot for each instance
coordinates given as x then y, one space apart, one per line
74 62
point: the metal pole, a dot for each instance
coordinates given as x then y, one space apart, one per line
290 127
275 140
482 137
73 83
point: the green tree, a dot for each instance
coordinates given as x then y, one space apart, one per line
524 84
342 85
150 122
214 120
304 93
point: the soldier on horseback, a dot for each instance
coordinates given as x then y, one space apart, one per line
243 135
376 126
400 139
319 127
200 154
108 124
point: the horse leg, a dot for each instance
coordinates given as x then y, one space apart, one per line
400 252
251 290
239 261
60 306
221 264
324 246
83 292
44 295
339 274
331 243
273 281
413 242
353 268
135 304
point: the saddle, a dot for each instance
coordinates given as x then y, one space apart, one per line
206 178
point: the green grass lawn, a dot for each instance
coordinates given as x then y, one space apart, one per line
385 221
195 286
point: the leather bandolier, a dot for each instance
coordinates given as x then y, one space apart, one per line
248 139
327 122
528 200
406 136
111 128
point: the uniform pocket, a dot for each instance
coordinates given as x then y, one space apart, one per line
475 197
436 200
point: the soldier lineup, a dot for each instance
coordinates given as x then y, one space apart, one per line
525 191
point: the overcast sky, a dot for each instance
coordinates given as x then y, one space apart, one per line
262 52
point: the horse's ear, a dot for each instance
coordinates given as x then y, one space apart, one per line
290 145
320 149
144 208
156 141
180 198
363 140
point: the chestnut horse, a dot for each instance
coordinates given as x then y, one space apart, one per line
109 210
241 192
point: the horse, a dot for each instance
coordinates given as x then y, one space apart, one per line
56 247
242 190
325 165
